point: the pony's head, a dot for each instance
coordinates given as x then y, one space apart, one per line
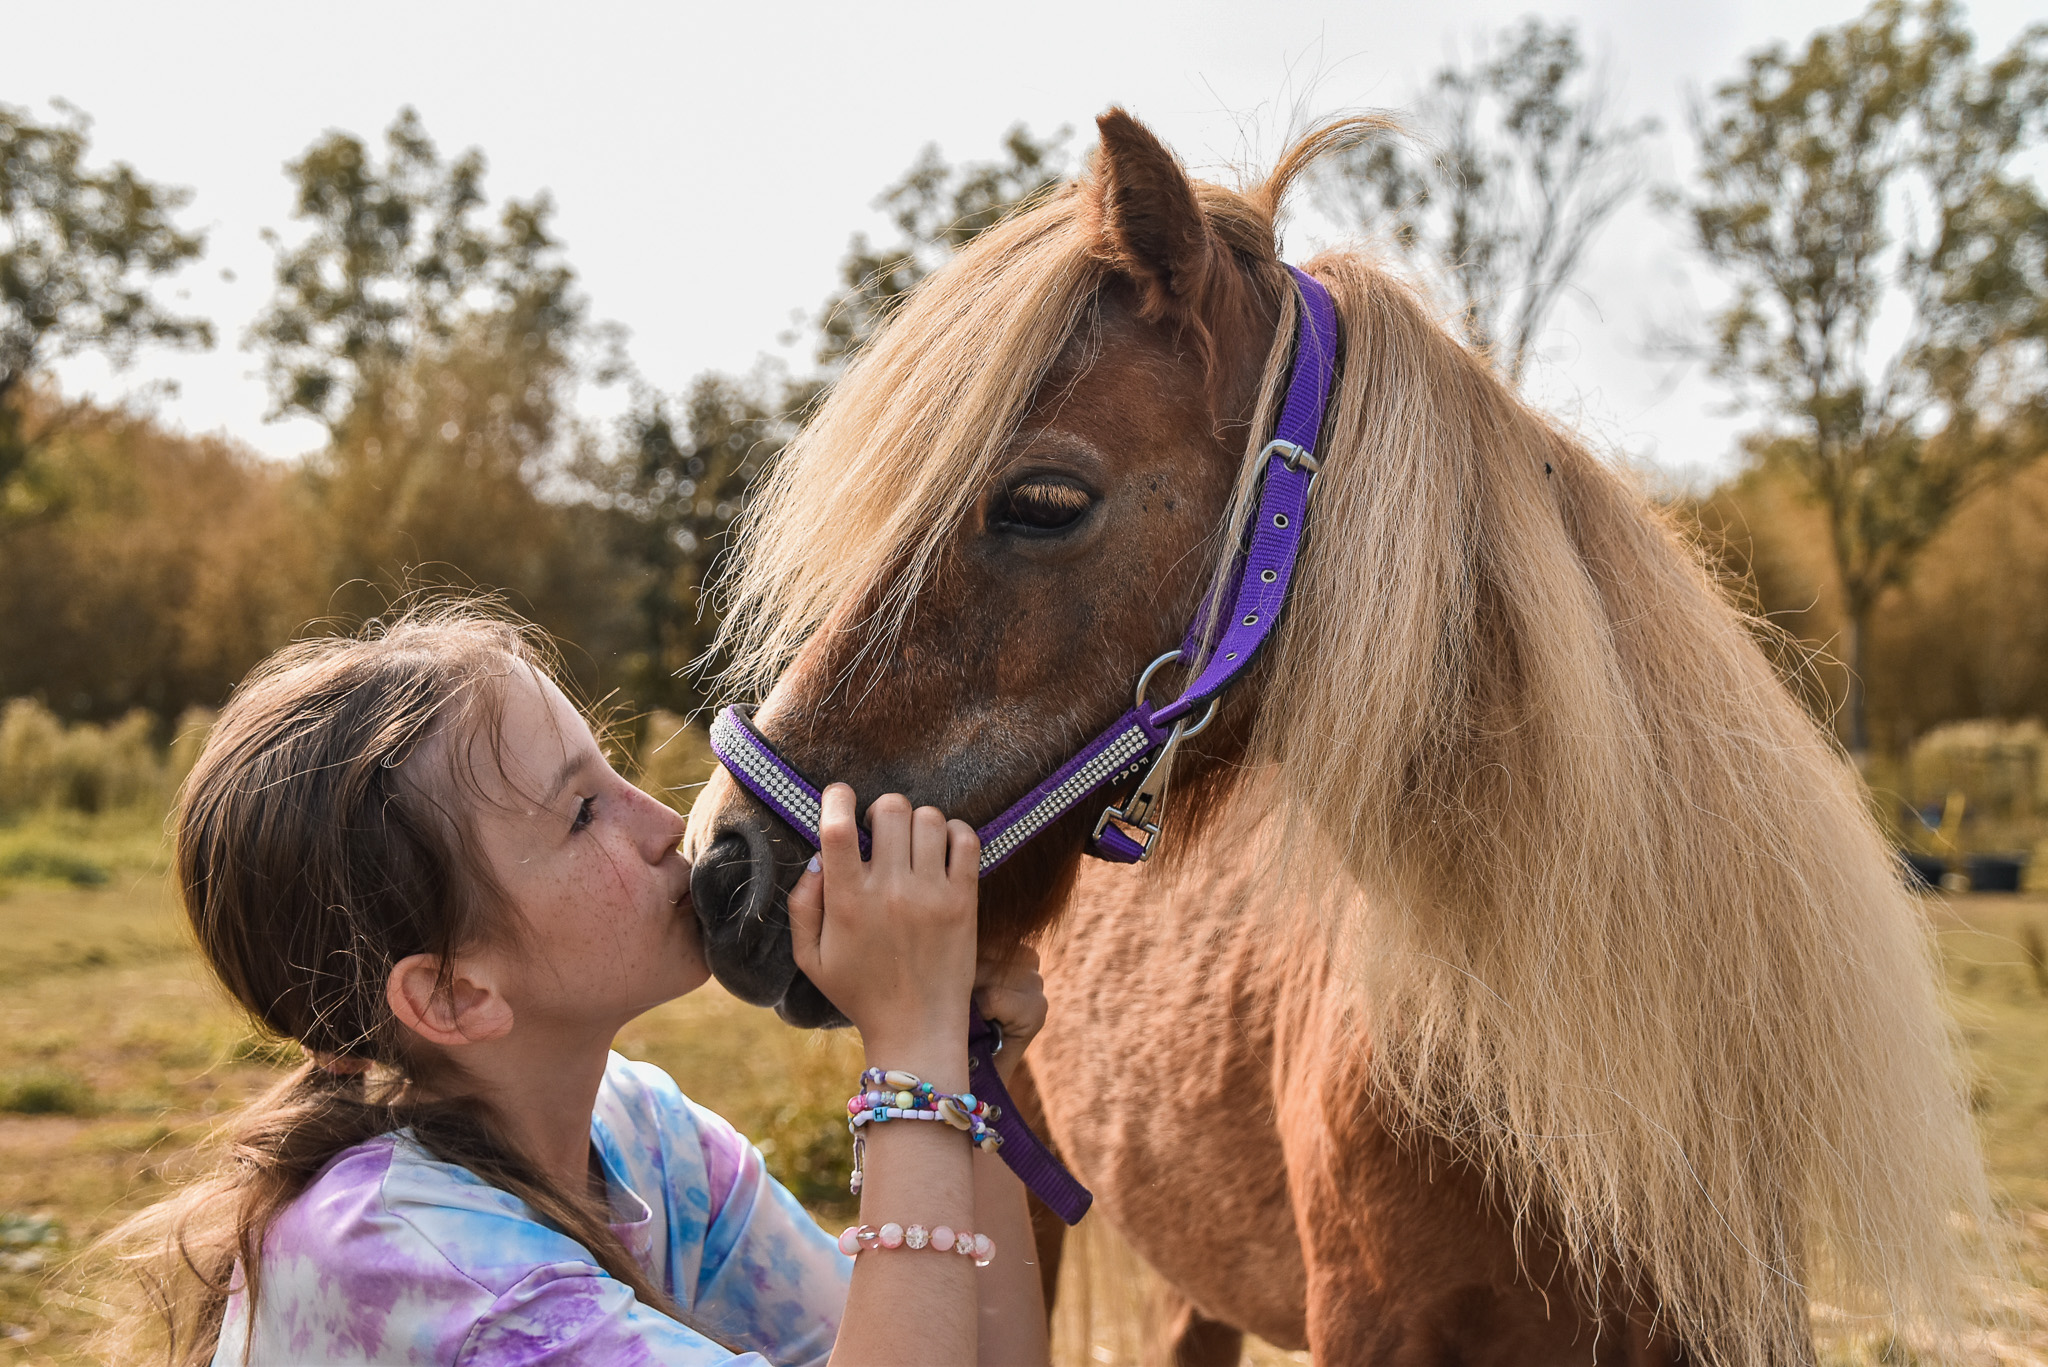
1010 505
1604 900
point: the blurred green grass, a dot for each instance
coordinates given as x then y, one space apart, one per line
118 1056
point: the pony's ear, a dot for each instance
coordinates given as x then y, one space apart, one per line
1151 227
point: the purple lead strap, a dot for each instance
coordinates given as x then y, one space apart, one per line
1263 575
1041 1173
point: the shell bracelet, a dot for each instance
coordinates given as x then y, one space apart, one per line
890 1094
939 1238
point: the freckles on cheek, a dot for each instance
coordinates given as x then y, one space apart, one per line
608 902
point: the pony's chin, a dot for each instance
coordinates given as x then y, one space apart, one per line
805 1007
754 983
795 997
768 976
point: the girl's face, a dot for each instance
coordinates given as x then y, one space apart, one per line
604 926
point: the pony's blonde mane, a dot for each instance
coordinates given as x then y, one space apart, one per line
1619 926
1627 933
906 439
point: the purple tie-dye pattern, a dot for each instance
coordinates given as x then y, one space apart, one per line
391 1256
724 1151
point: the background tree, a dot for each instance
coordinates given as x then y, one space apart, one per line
675 481
937 209
1965 637
1516 163
78 247
441 344
160 568
397 268
1871 187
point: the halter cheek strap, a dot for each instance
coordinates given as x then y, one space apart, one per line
1145 739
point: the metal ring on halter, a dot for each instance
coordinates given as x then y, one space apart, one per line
1186 732
1296 457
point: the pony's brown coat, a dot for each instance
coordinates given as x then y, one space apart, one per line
1631 958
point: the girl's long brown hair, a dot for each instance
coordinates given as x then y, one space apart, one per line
312 856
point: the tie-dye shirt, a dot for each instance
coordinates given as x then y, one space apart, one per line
392 1256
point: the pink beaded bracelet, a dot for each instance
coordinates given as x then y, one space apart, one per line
865 1238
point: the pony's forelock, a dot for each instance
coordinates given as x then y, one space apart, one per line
879 479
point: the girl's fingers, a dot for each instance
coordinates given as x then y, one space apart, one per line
807 917
928 840
838 833
889 834
963 853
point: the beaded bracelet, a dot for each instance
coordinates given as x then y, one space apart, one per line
902 1096
896 1095
865 1238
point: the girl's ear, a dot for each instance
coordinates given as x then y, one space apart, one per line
1150 225
468 1009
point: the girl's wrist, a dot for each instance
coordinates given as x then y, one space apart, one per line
938 1056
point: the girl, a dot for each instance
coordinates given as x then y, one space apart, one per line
408 853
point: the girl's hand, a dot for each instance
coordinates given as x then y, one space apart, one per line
891 940
1012 995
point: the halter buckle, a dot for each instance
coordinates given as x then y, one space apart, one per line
1296 457
1140 814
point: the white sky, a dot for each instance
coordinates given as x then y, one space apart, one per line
709 162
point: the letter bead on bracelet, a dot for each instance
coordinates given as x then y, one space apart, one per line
892 1095
865 1238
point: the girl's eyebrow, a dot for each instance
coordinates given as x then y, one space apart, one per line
572 766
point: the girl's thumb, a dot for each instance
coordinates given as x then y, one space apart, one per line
807 915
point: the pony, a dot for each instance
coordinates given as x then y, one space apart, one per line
1521 978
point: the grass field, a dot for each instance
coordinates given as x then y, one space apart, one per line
117 1056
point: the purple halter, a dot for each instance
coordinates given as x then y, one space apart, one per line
1144 738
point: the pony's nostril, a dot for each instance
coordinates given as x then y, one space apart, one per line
739 908
724 881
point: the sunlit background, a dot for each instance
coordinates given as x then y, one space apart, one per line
710 208
709 162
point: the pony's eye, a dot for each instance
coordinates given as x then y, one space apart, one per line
1040 505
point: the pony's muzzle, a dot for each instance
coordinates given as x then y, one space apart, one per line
745 860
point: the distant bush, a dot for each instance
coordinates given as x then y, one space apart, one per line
59 865
802 1135
45 764
1965 636
27 1231
27 1241
45 1091
30 737
2000 767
